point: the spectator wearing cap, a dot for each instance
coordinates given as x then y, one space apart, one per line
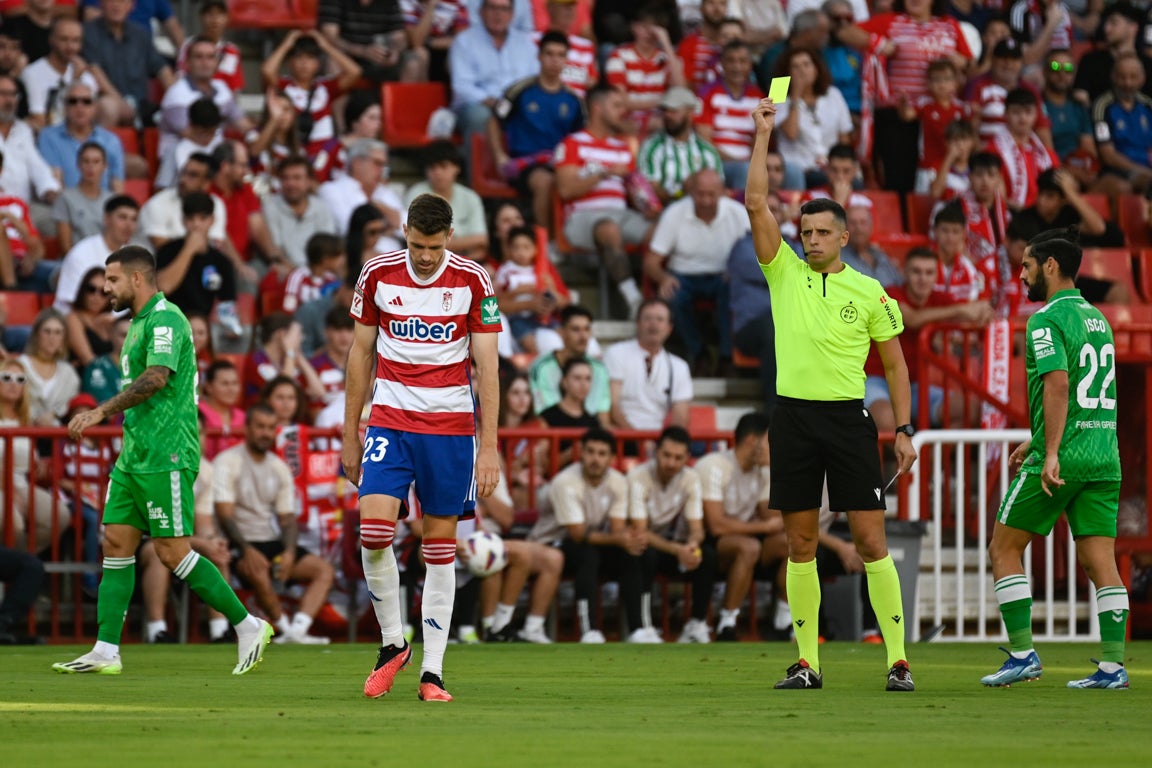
194 274
123 53
1122 124
484 61
676 151
688 255
1071 124
442 166
213 26
1120 26
1039 25
725 118
530 119
365 183
1025 156
988 92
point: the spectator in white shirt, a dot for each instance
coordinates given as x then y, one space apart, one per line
688 255
26 175
367 172
120 213
198 83
650 386
162 219
46 78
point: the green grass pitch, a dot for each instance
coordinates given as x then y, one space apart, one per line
613 705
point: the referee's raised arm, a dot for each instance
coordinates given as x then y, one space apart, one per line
765 229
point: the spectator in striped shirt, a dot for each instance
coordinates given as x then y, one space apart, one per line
431 25
671 155
644 69
725 119
1039 25
327 265
699 50
581 71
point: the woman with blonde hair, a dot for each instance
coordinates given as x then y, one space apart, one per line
52 382
32 506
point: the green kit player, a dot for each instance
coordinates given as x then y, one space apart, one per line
1071 464
150 490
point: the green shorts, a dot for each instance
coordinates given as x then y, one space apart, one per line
158 503
1092 506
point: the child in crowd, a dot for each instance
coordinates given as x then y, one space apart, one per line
526 298
951 177
935 113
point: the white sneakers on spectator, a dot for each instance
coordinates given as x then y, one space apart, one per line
695 631
593 637
538 635
645 635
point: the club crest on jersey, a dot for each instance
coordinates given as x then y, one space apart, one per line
447 303
415 329
490 311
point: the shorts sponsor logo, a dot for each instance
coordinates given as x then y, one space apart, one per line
162 340
1042 345
849 314
490 311
157 513
415 329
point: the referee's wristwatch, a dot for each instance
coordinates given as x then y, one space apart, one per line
906 429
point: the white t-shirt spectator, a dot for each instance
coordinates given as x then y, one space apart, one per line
162 216
647 395
820 129
45 87
695 247
26 174
259 490
570 500
89 253
721 479
344 195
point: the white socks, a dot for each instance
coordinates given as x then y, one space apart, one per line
728 618
383 579
154 628
436 611
502 616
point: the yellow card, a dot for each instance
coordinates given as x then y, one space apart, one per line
778 90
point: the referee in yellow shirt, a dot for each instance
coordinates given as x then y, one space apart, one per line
827 315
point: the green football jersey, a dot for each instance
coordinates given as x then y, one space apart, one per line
1069 334
162 433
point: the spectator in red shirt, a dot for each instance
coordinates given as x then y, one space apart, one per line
727 105
213 25
935 113
312 95
699 50
953 176
591 168
1025 156
988 92
246 224
582 70
1005 290
958 277
646 68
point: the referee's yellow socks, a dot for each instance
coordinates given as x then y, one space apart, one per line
884 591
804 600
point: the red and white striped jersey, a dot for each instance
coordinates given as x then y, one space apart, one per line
643 79
987 99
303 286
228 69
934 120
318 101
699 55
423 383
962 282
580 72
731 118
583 150
917 44
16 209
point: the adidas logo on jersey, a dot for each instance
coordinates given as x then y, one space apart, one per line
396 302
415 329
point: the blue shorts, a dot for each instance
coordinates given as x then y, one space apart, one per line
442 466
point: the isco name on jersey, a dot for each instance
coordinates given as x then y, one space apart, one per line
422 347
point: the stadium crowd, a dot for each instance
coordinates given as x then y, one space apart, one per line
619 132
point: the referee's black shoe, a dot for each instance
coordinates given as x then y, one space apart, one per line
800 675
900 677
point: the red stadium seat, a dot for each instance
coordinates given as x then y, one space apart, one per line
886 214
129 139
1113 265
1131 222
897 245
51 248
1144 273
406 108
485 177
21 307
1100 203
151 139
919 213
264 14
1130 343
701 418
138 189
741 360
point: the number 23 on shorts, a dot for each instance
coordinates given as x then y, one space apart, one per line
374 449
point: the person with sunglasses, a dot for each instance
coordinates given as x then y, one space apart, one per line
1071 124
60 143
89 324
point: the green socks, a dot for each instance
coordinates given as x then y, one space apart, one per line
116 586
1112 603
1015 599
884 591
202 578
803 587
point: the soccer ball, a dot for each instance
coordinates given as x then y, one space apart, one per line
486 553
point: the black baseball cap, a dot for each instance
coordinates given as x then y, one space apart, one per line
1007 49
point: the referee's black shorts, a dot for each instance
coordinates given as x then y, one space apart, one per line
812 439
